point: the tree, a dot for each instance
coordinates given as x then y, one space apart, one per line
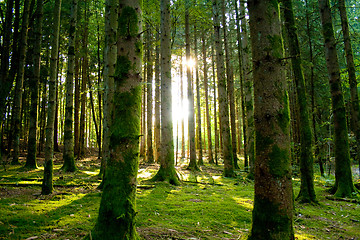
355 112
149 96
31 156
167 168
272 216
344 186
47 185
117 212
223 102
190 94
307 191
20 82
68 156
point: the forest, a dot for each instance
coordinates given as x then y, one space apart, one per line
179 119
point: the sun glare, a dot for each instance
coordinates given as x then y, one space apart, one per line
191 63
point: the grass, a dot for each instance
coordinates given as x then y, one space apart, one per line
205 206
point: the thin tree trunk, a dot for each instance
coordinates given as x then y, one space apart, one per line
307 191
207 109
182 107
215 108
31 156
344 186
157 124
355 112
149 99
167 170
223 101
68 156
230 87
198 105
47 185
19 83
191 122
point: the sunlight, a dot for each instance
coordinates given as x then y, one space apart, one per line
191 63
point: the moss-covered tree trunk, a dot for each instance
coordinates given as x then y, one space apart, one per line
47 185
355 112
272 216
31 156
207 108
182 106
223 100
117 211
307 191
344 186
149 96
20 82
167 168
68 156
216 129
190 93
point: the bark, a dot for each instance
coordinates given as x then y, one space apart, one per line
84 81
273 212
47 186
344 186
307 191
215 108
68 156
355 112
157 103
31 156
149 97
19 83
190 94
223 102
117 211
207 109
182 107
167 168
77 93
230 87
5 82
198 106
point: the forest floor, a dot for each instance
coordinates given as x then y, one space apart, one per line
205 206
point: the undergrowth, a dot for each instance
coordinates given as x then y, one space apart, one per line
205 206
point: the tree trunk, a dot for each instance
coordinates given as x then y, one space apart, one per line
157 102
77 92
167 168
191 123
215 108
230 87
198 105
149 99
307 191
207 110
273 212
117 211
344 186
182 107
31 156
68 156
355 112
47 185
223 101
19 83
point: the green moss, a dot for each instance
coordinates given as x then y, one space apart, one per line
272 222
123 66
262 142
283 116
127 123
139 48
128 22
276 45
279 161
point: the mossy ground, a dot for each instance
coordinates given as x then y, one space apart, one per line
205 206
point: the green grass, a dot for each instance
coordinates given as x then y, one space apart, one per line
205 206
